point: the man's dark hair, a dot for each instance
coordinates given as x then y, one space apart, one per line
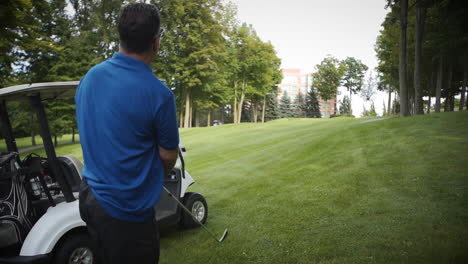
138 24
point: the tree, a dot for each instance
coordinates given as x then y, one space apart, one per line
191 51
353 77
59 118
369 89
285 110
312 108
384 111
271 109
258 68
345 107
327 78
420 21
300 105
20 28
387 54
438 48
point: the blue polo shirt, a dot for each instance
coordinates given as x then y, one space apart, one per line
124 113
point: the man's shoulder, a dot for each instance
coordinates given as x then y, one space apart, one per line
96 71
159 86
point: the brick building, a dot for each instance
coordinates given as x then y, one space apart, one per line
294 81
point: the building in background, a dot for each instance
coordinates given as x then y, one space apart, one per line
294 81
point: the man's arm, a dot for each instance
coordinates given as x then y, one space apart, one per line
168 158
167 133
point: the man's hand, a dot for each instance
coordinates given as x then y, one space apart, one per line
168 158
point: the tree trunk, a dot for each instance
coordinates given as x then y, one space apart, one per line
255 112
181 118
33 138
446 104
464 85
263 109
197 119
466 99
208 118
452 103
187 110
55 141
190 115
420 21
439 84
234 108
449 82
222 113
350 105
404 106
429 105
432 85
73 135
241 102
389 110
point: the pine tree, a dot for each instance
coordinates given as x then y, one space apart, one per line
272 109
300 105
285 106
312 107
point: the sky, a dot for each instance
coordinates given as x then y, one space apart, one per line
304 32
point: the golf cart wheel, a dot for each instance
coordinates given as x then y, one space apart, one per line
75 249
196 203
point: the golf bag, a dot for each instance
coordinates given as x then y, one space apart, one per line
16 214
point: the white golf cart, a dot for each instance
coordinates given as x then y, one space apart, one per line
42 224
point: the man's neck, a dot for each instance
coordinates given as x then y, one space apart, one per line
146 58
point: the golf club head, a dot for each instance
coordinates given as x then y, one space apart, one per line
225 234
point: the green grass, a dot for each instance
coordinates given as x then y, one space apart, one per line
328 191
25 142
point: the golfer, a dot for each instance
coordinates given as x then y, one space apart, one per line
129 136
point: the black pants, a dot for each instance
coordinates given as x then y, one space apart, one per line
118 241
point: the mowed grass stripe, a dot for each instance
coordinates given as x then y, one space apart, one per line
328 191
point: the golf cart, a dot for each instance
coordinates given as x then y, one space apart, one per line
39 213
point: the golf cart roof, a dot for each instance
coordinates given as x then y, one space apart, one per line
45 90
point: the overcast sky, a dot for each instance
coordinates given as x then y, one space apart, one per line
305 31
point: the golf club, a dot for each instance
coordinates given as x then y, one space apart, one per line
221 239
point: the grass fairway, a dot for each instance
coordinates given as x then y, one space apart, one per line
328 191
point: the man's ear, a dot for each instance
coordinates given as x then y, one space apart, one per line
156 44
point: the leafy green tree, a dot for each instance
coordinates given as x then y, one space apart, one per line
353 77
312 107
191 51
257 67
327 78
21 32
433 29
59 118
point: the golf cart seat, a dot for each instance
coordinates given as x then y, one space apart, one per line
72 169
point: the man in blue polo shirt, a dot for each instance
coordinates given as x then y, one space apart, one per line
129 136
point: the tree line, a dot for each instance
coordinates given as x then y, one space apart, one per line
217 67
423 52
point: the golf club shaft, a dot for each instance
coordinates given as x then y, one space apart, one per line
190 213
